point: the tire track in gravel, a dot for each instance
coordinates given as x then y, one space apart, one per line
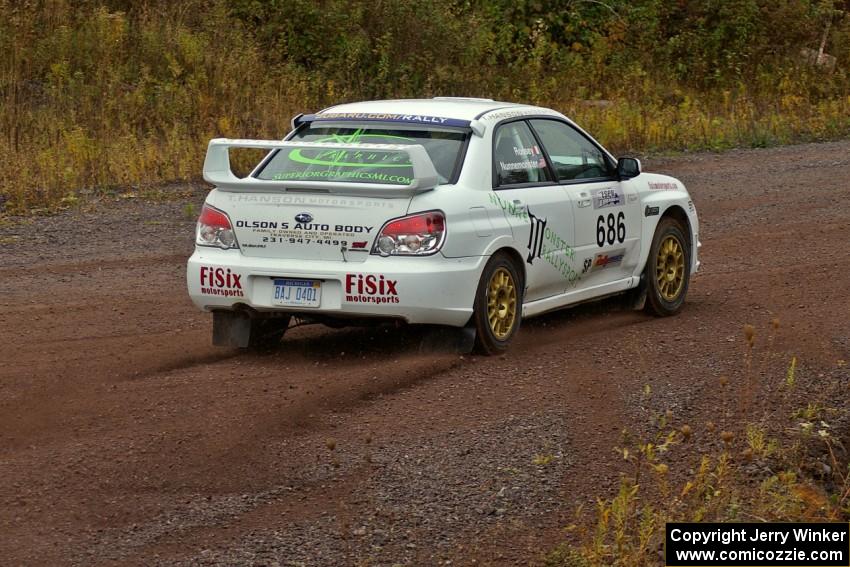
125 438
303 497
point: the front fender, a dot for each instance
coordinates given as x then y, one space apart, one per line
661 197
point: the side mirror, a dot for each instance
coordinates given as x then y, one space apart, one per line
628 167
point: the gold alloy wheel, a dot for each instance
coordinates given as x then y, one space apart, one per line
670 268
501 303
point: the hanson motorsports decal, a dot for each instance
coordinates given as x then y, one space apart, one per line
307 200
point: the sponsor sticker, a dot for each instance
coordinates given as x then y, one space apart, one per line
494 116
221 281
543 241
383 117
602 261
279 200
264 225
655 186
303 233
608 197
370 288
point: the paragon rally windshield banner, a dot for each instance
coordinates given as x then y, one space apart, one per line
758 544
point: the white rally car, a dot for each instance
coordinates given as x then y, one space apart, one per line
467 213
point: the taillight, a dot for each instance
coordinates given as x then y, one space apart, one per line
214 229
415 235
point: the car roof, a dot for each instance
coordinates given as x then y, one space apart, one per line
460 108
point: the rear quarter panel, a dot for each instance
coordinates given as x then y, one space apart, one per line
477 225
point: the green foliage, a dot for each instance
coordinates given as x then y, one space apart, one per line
776 471
102 93
719 486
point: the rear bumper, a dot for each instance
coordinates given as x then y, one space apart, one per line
427 290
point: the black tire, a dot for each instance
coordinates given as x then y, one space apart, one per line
266 333
668 269
493 337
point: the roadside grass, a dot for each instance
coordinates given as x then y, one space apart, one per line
738 469
96 100
73 160
702 122
123 106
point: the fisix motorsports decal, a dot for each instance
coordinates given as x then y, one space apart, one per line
221 281
295 233
370 288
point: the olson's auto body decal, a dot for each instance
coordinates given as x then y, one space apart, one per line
284 232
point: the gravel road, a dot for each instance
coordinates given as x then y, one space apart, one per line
125 438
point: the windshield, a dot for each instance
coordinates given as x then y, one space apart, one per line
444 147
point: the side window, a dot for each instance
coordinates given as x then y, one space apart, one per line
517 157
573 156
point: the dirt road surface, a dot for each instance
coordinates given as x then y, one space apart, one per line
125 438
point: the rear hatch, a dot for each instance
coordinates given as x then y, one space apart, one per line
308 226
326 193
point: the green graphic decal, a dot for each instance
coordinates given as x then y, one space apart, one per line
345 176
357 136
365 166
334 158
547 247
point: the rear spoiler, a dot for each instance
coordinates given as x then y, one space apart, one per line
478 128
217 170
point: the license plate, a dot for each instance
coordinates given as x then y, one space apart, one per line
297 293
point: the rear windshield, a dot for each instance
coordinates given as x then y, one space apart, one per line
444 147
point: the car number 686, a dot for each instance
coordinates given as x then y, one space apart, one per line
616 229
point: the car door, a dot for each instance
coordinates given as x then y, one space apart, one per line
538 209
607 211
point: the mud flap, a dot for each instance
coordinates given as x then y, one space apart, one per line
231 329
638 295
460 340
